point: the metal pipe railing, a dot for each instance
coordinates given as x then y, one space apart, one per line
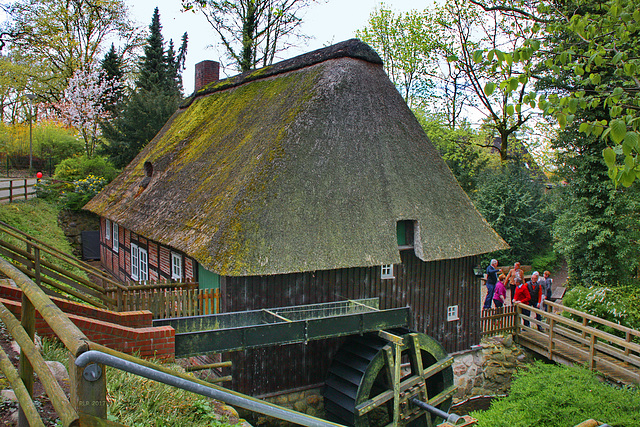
450 418
227 396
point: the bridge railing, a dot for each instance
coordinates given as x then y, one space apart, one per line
558 337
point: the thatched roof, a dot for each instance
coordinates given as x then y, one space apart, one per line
306 165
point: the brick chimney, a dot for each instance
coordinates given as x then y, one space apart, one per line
206 72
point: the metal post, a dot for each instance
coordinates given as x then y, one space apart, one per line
31 98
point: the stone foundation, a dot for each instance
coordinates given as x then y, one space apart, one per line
74 223
305 401
487 370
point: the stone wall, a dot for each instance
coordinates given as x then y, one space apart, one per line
74 223
487 370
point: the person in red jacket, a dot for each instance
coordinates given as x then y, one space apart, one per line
522 296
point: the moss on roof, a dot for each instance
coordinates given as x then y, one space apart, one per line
304 169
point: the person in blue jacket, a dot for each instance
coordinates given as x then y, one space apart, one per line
492 279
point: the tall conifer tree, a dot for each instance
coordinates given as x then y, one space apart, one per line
158 91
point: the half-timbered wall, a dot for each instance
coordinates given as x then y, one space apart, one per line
429 288
118 262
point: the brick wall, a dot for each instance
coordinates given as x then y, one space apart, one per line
129 332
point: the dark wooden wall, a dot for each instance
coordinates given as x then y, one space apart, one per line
427 287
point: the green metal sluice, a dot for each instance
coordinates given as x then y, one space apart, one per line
284 325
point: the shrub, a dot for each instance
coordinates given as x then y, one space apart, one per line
560 396
619 305
82 166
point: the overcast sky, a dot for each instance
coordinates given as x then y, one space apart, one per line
327 22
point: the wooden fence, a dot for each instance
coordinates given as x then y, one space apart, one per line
497 320
165 303
12 190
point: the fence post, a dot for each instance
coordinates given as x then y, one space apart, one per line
10 189
28 322
88 388
552 323
26 194
592 352
36 260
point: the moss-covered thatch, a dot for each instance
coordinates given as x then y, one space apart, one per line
308 168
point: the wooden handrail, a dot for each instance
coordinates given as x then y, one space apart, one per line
595 347
594 319
69 334
56 394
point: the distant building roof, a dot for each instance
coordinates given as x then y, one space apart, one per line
305 165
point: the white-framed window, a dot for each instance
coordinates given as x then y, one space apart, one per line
144 265
386 271
176 266
139 263
135 262
107 229
452 313
116 237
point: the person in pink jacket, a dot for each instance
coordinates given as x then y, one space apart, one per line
500 292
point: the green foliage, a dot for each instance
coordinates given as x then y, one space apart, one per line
83 191
82 166
619 305
139 402
466 160
597 227
560 396
57 142
515 206
49 139
548 260
408 43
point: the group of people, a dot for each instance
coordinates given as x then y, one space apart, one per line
532 293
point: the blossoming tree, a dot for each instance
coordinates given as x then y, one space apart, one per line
81 106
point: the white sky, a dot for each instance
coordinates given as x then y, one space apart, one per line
327 22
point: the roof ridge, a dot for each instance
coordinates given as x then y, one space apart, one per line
352 48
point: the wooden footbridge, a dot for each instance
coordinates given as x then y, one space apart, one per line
571 337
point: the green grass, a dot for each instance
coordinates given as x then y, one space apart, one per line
39 219
138 402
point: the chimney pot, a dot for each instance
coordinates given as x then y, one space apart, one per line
206 72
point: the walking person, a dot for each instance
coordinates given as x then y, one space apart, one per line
492 279
511 278
500 292
546 283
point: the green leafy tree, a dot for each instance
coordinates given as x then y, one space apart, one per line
156 97
408 43
515 206
495 53
466 160
56 38
597 228
593 42
252 32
